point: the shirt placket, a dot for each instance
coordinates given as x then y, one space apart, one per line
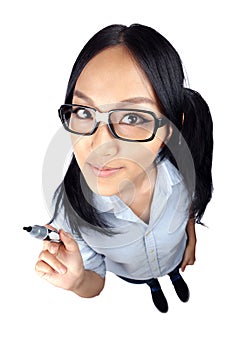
151 252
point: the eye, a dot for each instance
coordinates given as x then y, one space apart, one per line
82 113
133 119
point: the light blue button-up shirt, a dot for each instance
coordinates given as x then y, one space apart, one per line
138 250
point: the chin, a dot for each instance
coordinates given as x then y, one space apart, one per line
102 190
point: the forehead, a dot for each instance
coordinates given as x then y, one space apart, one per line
114 75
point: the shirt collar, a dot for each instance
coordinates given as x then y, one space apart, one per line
107 203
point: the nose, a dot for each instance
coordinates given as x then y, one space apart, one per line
103 142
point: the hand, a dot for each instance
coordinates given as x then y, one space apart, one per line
189 256
189 253
61 263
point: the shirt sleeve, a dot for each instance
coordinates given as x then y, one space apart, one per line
92 260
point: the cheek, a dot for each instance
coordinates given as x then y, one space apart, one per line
81 149
148 151
140 158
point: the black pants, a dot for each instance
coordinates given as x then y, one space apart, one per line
153 282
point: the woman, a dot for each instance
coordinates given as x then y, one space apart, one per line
140 175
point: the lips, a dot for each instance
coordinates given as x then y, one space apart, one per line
104 171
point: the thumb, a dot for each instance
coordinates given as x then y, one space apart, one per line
68 241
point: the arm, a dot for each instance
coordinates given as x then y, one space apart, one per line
189 254
91 285
61 264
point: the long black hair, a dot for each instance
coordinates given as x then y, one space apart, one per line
185 108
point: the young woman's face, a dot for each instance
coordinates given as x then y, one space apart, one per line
112 79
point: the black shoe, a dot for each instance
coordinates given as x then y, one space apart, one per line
158 295
181 289
159 300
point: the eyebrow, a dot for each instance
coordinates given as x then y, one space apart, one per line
81 95
138 99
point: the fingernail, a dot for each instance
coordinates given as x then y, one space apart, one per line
62 270
52 249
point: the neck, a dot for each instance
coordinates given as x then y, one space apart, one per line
138 195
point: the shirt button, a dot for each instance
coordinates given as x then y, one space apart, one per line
152 251
148 233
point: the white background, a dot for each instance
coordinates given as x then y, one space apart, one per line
39 44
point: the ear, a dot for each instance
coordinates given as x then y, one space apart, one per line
169 133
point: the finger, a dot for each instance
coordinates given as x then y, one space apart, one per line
51 227
183 266
52 261
53 248
46 244
68 241
42 269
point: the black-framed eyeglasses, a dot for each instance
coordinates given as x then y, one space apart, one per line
124 124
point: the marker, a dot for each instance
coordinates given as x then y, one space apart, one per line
42 232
